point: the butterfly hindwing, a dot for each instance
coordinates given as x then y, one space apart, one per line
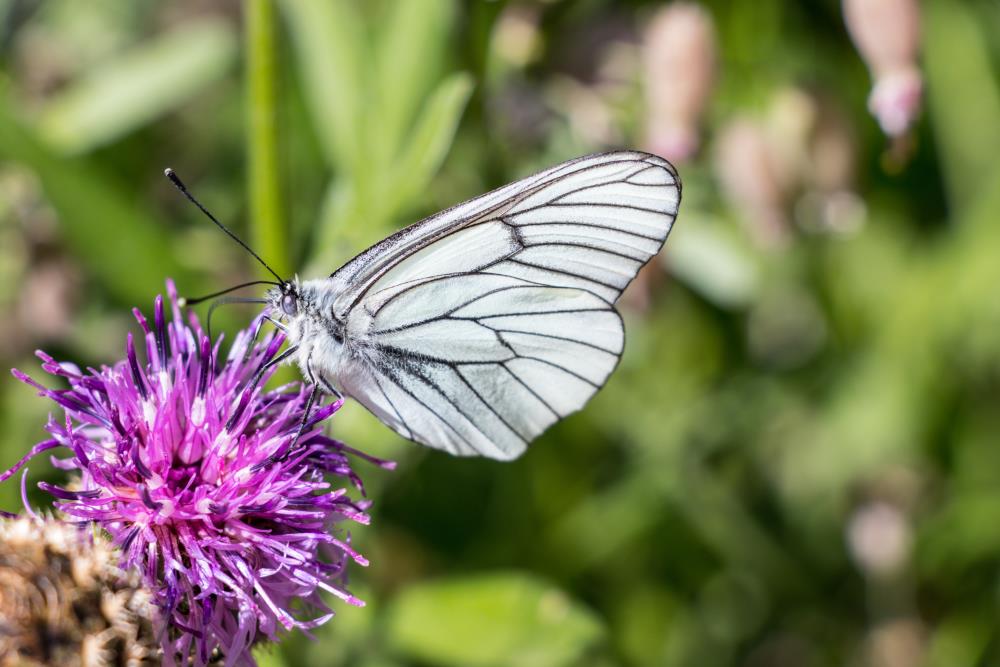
494 364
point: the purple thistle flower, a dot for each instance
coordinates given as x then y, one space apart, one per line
189 466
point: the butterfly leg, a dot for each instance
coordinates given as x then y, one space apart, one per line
277 325
250 386
321 384
253 339
310 402
313 395
317 388
271 364
319 379
330 389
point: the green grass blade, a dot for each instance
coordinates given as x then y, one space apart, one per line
123 246
138 87
268 231
963 97
331 58
410 51
491 619
429 143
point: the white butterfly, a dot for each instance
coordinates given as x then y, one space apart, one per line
476 329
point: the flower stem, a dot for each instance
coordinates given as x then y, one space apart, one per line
268 231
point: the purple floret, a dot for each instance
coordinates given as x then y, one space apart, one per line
191 470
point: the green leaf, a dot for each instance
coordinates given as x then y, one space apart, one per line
138 86
495 619
269 656
121 244
329 38
429 143
713 264
411 48
339 232
963 97
959 639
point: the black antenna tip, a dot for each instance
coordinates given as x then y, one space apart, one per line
169 173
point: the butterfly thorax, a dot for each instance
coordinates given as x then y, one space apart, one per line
325 344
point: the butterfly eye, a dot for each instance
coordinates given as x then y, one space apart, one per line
289 305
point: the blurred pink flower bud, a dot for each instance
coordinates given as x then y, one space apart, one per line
517 39
750 172
887 34
898 642
895 100
879 537
680 65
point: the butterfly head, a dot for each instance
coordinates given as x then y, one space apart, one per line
285 299
289 300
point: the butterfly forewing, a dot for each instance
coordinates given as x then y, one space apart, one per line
488 322
621 203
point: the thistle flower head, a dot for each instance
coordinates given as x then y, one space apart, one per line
64 600
189 466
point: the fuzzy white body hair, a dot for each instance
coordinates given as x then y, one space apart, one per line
329 351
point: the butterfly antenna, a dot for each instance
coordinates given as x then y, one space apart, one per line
179 184
184 301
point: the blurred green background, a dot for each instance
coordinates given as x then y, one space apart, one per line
798 460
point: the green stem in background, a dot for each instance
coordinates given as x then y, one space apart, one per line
268 231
